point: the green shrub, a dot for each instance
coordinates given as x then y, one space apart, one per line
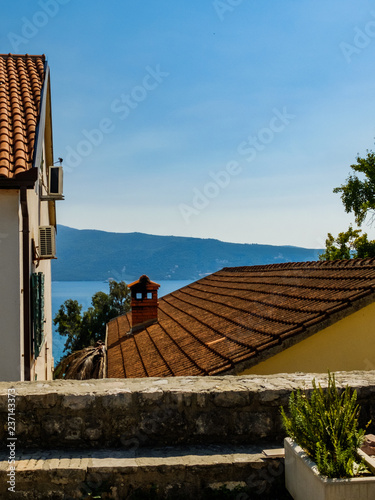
325 425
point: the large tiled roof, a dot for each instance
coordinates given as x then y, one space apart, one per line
21 81
232 317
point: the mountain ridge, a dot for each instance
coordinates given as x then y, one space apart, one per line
95 255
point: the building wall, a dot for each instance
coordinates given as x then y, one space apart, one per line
348 344
10 287
39 216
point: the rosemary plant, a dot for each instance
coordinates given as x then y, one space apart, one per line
325 425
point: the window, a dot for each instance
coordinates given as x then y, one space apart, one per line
37 309
138 296
149 295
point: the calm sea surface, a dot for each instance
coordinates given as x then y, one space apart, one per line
83 291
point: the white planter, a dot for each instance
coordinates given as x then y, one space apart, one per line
304 482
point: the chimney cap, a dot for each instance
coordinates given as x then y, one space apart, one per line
144 282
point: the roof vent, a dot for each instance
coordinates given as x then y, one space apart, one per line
47 243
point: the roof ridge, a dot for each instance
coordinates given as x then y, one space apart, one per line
305 286
362 263
24 55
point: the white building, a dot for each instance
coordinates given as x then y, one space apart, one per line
28 190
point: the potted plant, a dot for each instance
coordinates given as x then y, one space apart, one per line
323 460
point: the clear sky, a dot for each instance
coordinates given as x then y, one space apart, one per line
227 119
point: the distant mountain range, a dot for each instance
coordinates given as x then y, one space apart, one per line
90 255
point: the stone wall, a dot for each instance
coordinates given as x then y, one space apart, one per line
161 412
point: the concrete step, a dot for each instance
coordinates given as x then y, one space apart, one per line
159 473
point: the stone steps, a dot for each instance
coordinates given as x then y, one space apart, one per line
170 473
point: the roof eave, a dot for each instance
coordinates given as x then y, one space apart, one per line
41 125
25 179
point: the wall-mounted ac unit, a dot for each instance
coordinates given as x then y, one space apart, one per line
47 243
55 182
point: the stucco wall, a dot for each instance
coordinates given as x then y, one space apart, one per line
348 344
134 413
10 290
42 368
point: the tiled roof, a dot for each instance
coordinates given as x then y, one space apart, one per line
233 316
21 81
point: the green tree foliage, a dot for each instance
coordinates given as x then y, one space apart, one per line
347 245
85 329
358 195
325 425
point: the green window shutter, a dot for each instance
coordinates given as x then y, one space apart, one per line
41 296
37 305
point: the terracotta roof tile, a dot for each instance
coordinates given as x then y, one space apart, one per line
235 314
21 82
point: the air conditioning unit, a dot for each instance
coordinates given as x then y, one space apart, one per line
47 242
55 182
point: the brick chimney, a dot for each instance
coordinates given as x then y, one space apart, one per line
144 302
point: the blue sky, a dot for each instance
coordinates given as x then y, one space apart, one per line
227 119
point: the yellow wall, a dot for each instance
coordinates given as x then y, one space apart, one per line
348 345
